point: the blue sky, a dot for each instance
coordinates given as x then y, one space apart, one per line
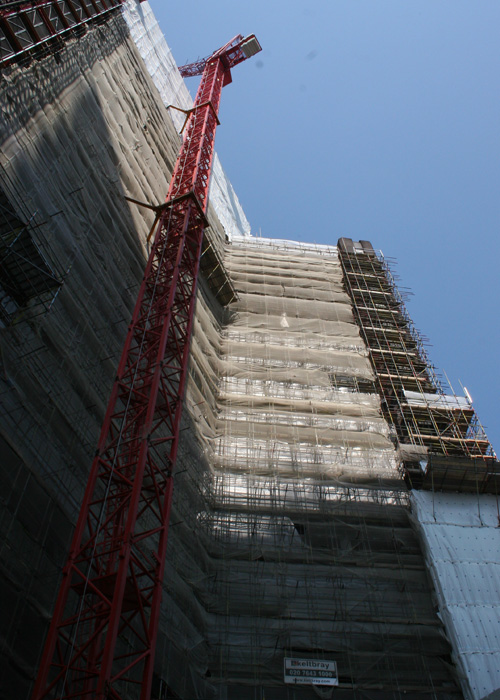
373 119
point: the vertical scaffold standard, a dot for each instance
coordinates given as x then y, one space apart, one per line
101 642
440 442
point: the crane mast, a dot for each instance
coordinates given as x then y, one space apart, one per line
101 641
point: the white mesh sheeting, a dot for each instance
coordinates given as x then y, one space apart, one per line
160 63
461 537
283 409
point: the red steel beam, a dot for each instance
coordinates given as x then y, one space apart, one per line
101 642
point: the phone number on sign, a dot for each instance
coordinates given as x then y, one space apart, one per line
316 674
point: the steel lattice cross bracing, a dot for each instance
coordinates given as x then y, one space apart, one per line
112 584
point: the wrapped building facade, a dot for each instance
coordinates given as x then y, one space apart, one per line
296 530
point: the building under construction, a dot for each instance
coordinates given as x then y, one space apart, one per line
334 524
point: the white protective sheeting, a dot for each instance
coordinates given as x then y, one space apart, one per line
290 345
161 65
453 403
462 541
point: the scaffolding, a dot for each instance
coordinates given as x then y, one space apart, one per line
291 532
440 440
296 537
29 282
34 29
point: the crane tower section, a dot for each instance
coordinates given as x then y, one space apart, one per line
101 642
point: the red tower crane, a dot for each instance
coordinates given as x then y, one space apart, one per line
101 641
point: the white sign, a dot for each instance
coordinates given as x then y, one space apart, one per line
310 672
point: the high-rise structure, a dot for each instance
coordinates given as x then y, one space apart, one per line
333 504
